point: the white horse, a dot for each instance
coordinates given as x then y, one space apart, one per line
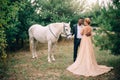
47 34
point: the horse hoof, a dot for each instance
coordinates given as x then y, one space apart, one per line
36 57
49 61
33 57
53 59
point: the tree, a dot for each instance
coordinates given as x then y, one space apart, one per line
20 16
108 37
57 10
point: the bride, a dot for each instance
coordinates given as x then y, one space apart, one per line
86 63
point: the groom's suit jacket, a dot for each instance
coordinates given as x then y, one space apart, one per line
74 31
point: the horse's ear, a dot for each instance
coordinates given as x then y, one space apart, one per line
69 22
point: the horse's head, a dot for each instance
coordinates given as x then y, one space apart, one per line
67 30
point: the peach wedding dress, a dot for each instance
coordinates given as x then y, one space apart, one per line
86 63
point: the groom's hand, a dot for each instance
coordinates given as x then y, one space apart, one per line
88 34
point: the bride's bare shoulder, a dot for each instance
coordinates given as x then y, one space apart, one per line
87 27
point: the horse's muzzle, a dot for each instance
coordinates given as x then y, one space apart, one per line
69 36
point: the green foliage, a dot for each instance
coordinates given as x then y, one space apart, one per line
108 36
3 22
19 15
57 10
2 43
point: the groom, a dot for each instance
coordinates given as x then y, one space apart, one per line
77 36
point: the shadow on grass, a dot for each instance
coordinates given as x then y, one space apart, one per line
116 71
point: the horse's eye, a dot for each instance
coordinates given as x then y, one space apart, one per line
66 29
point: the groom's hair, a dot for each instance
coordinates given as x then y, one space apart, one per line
81 19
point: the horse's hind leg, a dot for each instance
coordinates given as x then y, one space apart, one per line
35 44
31 39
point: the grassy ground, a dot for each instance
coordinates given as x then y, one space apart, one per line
20 65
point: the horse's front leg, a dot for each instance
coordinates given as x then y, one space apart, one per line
49 51
52 54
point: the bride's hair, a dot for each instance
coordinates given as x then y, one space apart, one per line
87 20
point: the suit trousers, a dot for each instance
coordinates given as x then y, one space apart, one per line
76 45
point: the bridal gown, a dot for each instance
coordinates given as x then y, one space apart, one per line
86 63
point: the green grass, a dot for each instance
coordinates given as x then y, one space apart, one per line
20 65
